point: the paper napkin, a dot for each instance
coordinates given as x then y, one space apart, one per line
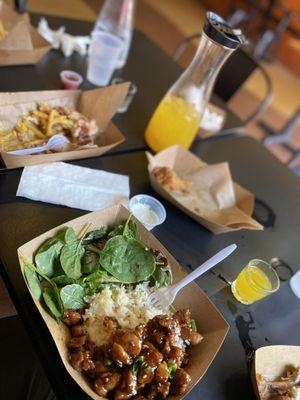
63 40
73 186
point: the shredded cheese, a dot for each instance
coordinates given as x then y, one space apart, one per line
129 306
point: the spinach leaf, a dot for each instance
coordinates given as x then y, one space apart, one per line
52 298
127 260
66 235
48 290
118 230
57 268
94 249
95 235
94 282
63 280
70 258
130 229
47 254
71 254
32 280
53 301
160 277
72 296
90 262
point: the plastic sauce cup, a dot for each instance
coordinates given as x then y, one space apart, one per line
150 204
70 80
295 284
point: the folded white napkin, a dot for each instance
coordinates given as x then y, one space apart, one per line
73 186
60 39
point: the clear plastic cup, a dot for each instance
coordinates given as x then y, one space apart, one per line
140 206
103 57
295 284
129 97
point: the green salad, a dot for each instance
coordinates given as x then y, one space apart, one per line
67 268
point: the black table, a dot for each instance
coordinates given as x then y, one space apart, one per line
148 67
266 322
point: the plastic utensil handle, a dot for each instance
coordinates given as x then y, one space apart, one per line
24 152
220 256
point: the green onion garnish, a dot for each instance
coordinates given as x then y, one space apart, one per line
139 359
172 308
134 369
193 325
172 370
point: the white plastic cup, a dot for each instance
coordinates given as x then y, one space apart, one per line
295 284
153 204
103 57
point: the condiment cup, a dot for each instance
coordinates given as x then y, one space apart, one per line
70 80
295 284
155 206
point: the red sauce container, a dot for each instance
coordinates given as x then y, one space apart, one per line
70 80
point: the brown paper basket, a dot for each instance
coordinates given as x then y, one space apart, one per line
178 159
97 104
23 44
271 362
209 321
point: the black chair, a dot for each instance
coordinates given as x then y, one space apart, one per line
21 5
232 76
283 137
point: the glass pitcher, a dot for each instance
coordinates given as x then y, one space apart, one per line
177 117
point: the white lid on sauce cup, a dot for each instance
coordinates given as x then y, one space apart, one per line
295 284
153 204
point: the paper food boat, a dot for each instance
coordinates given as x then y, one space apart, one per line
218 179
98 104
272 361
23 45
209 321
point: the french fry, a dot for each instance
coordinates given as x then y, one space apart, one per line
40 114
50 123
3 32
43 107
36 131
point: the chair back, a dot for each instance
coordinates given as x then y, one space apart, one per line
21 5
234 73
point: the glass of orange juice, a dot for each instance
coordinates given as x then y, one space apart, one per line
256 281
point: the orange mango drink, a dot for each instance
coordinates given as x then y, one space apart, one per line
175 121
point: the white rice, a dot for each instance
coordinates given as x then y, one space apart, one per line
129 306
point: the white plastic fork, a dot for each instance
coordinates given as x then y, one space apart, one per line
164 296
54 143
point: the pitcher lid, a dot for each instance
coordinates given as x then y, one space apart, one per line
216 28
